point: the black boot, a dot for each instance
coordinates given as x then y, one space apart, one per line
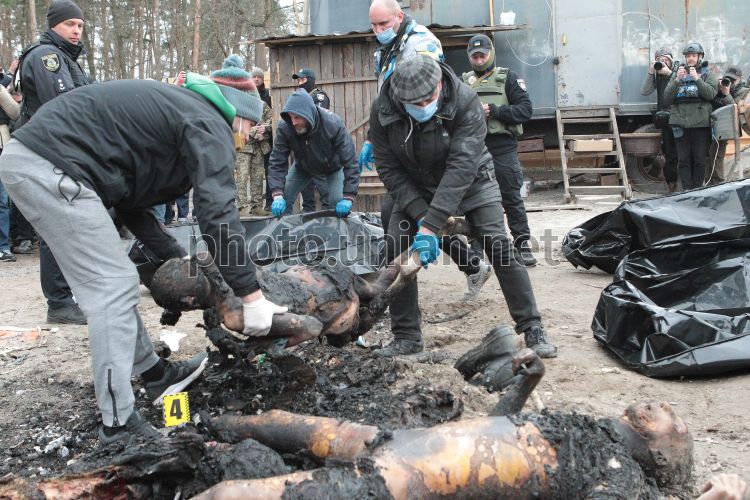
536 340
400 347
499 342
524 254
67 315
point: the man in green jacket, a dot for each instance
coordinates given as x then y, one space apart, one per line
690 92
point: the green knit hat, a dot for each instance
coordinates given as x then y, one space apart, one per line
205 87
247 105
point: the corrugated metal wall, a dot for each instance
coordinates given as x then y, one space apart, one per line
722 26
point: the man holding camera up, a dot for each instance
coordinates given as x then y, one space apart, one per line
690 92
659 74
731 90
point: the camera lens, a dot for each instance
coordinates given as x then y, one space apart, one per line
658 66
726 81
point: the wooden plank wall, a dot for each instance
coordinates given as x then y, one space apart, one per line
350 66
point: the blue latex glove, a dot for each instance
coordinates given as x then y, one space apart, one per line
343 207
278 207
365 157
428 246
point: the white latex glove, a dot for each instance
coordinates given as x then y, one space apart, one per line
258 316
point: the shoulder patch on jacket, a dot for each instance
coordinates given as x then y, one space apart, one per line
51 62
522 84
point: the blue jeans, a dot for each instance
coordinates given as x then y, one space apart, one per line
160 211
4 220
297 179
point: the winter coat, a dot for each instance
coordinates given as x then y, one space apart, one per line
323 149
140 143
438 168
695 111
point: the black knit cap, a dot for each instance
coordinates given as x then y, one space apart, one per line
416 78
62 10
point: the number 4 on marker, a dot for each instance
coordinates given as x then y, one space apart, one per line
176 409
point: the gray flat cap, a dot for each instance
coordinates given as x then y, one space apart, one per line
416 78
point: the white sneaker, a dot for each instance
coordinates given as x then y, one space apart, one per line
476 281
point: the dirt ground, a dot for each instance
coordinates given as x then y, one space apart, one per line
47 416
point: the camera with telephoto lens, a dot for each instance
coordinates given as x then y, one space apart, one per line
726 81
658 65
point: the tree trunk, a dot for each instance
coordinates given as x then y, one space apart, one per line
32 20
140 32
196 37
106 42
88 35
158 72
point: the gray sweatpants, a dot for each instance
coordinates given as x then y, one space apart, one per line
73 221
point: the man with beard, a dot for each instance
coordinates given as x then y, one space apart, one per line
306 80
321 146
50 68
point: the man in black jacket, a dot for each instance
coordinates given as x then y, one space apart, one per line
657 78
149 144
321 145
507 106
49 69
428 131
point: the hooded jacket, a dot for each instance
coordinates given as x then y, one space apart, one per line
441 167
148 145
325 148
48 69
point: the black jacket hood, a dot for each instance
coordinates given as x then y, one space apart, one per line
300 103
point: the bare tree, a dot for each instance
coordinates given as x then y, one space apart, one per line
32 19
196 36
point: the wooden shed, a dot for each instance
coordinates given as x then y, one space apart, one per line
343 64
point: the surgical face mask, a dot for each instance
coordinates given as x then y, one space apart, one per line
422 113
386 37
239 138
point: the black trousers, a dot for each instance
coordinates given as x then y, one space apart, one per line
487 224
669 148
54 287
692 152
20 228
467 258
510 179
320 184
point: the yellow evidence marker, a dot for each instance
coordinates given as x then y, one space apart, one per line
176 409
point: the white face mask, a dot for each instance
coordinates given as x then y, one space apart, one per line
422 113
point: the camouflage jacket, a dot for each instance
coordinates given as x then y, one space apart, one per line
260 143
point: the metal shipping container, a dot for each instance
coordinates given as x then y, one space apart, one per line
574 53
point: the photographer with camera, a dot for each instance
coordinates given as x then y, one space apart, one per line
732 89
657 78
689 93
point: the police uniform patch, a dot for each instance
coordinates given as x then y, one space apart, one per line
522 84
472 80
321 97
51 62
